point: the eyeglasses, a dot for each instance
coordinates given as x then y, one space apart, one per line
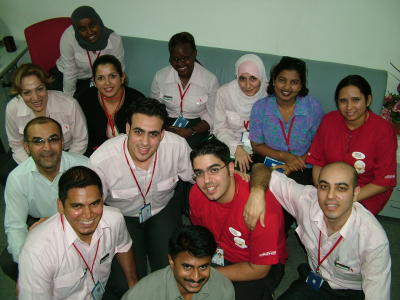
38 141
213 170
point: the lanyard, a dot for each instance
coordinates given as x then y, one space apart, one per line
90 60
329 252
182 95
246 124
110 118
134 177
287 137
90 269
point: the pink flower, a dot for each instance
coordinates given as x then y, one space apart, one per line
386 114
396 107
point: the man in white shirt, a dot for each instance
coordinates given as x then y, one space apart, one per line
189 274
140 171
347 248
69 255
32 187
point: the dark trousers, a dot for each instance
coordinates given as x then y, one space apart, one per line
6 166
261 289
150 243
299 290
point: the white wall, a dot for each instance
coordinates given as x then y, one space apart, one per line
358 32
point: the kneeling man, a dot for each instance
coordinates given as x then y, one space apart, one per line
189 274
70 254
253 260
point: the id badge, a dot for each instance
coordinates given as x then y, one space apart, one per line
314 280
218 257
180 122
245 139
98 291
270 162
145 213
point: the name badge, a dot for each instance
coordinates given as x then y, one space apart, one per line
166 97
314 280
104 258
145 213
98 291
218 257
272 163
180 122
245 139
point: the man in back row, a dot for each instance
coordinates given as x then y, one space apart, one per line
253 260
32 187
347 248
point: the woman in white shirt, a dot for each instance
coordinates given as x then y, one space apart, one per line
34 100
187 89
233 106
81 43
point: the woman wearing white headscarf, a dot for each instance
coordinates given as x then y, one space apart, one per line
233 106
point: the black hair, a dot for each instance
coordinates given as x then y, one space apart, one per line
149 107
181 38
107 59
358 81
291 64
77 177
214 147
198 241
40 120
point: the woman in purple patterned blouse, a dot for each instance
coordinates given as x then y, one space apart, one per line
283 124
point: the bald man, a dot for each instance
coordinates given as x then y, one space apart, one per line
347 248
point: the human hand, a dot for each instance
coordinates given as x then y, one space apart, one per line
183 132
255 209
37 223
244 176
242 159
293 162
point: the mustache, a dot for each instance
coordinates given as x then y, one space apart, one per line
193 281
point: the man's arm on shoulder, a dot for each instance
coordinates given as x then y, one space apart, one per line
376 274
128 266
255 206
244 271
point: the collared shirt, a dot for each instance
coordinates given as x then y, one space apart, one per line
265 127
199 100
50 268
28 192
74 62
119 187
60 107
361 261
161 285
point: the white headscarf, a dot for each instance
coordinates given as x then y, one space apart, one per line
244 102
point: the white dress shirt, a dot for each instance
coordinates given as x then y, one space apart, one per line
74 62
28 192
364 249
199 100
119 187
60 107
50 268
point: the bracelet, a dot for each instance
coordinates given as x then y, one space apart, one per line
193 131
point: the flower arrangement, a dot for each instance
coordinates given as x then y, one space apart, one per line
391 108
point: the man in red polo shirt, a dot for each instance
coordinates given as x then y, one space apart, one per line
252 260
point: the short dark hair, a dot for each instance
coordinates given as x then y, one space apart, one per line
40 120
291 64
77 177
358 81
181 38
214 147
149 107
107 59
198 241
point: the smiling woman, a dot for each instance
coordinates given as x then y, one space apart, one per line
81 43
33 99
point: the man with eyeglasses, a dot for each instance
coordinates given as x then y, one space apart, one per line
252 260
31 190
140 171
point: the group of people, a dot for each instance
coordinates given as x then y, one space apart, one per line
137 155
